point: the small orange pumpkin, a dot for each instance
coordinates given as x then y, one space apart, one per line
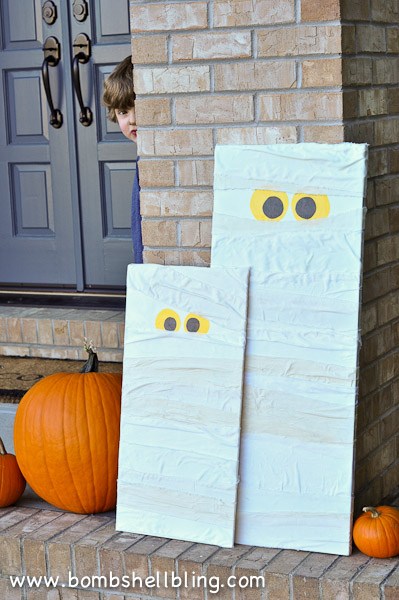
12 482
376 532
66 438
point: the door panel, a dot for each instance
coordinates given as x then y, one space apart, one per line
112 21
34 162
106 158
66 192
25 126
117 178
33 208
21 33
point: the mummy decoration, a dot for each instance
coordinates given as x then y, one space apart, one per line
181 402
294 215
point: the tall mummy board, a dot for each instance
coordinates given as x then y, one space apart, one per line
181 402
294 214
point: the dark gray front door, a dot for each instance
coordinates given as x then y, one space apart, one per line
65 192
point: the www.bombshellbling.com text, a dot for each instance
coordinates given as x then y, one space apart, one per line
160 580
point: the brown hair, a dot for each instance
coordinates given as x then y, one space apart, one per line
119 88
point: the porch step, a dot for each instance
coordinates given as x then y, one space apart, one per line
38 540
59 332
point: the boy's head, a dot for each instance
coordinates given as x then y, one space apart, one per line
119 89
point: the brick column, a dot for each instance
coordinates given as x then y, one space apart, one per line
277 71
223 72
371 114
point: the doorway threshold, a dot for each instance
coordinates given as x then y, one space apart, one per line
62 299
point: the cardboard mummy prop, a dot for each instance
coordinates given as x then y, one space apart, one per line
181 402
294 215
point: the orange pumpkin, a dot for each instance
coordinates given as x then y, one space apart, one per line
376 532
66 438
12 482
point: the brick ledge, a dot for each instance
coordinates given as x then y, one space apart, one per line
59 332
37 539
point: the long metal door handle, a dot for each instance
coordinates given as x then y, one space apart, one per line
86 116
51 50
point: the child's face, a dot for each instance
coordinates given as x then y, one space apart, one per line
127 122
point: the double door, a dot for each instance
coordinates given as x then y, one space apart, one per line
66 171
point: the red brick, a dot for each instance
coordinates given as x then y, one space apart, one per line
251 566
249 75
153 111
328 134
211 45
327 11
233 13
7 592
85 552
35 542
168 16
179 79
336 581
277 573
196 258
176 142
157 173
163 560
111 554
162 203
159 233
299 40
11 539
366 585
305 578
356 10
312 106
193 563
195 233
391 585
11 516
150 49
209 109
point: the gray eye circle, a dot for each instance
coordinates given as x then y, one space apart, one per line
306 207
170 324
273 207
193 325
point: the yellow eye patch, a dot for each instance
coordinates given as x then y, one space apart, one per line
167 320
307 207
195 324
267 205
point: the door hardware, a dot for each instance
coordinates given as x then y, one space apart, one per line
52 56
82 47
49 12
52 51
80 10
81 54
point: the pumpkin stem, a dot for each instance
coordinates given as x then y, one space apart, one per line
374 513
2 447
91 365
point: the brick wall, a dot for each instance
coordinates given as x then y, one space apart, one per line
277 71
371 114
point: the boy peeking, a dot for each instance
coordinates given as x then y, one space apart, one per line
119 98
